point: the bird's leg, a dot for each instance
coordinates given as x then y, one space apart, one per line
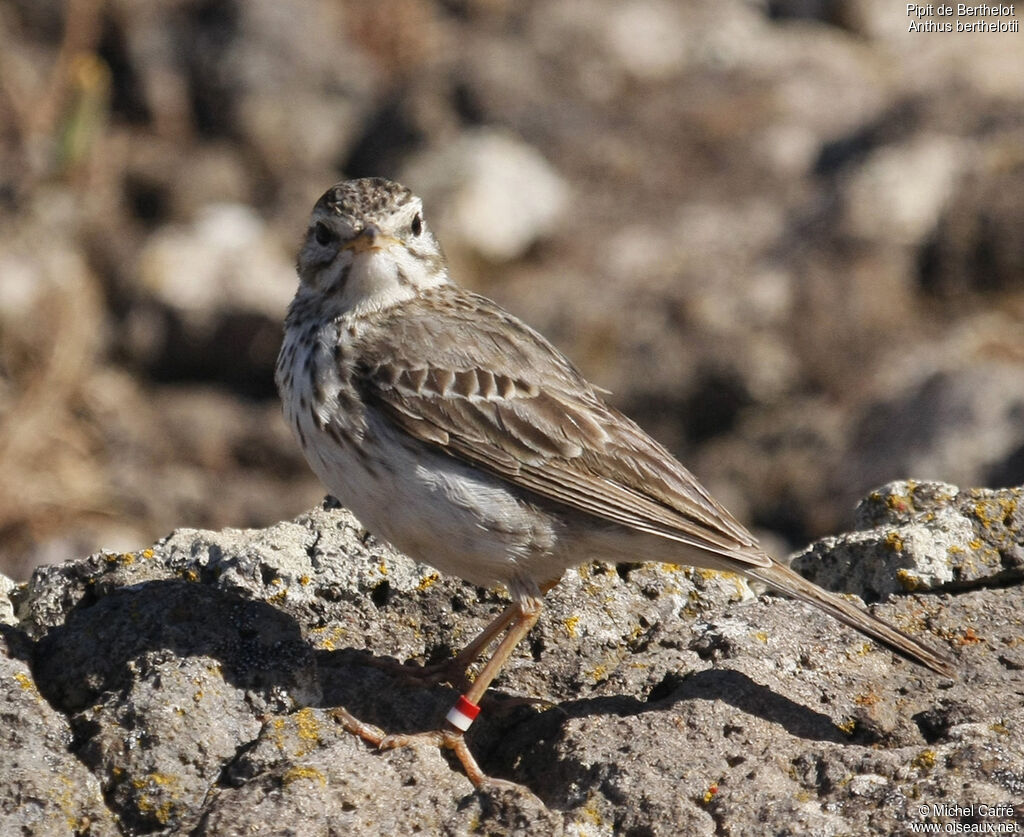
454 670
524 617
468 655
517 620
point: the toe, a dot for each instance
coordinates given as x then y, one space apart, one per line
429 739
349 722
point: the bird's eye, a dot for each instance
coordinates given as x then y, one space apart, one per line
323 234
417 224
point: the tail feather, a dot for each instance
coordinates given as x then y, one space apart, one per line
784 580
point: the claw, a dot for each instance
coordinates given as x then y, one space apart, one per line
457 743
350 723
516 620
445 739
434 738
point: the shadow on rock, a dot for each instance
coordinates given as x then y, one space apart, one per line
511 731
165 683
738 690
107 645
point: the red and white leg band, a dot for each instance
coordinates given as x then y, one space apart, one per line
462 715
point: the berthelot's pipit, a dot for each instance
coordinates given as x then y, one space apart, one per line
460 435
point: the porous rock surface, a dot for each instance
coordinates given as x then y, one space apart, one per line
189 689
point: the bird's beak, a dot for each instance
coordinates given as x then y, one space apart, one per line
371 238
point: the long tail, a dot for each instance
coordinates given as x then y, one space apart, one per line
786 581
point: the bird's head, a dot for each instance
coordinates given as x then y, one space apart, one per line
368 246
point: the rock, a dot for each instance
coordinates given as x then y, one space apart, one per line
52 327
46 788
914 181
947 410
6 607
974 247
268 72
923 536
955 419
223 262
216 288
197 680
490 192
648 38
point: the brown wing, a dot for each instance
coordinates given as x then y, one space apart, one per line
491 391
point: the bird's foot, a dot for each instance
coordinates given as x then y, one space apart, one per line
445 739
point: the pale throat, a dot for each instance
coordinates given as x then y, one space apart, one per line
378 279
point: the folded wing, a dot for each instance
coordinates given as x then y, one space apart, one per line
492 392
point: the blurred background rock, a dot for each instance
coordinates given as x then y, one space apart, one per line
789 237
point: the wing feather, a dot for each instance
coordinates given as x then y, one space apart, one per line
491 391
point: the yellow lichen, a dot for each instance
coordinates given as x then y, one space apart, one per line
894 542
908 580
589 812
899 503
24 681
307 724
161 809
570 626
276 730
300 772
328 637
925 760
995 511
860 649
427 582
164 780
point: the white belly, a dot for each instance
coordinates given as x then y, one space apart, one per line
427 504
434 508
